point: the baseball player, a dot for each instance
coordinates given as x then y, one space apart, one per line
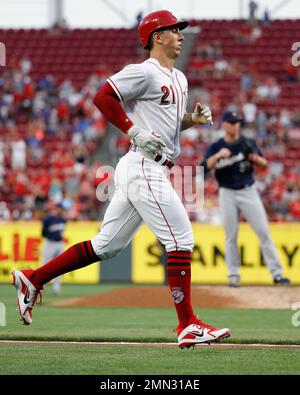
52 230
146 101
234 157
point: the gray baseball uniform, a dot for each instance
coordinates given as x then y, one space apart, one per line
52 231
237 194
247 201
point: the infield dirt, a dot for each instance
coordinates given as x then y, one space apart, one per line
271 297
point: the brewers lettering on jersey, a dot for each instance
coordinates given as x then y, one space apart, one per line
146 101
233 157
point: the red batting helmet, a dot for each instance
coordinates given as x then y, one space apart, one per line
157 21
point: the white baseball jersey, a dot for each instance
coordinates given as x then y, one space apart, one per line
155 99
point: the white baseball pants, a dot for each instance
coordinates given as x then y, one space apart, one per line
143 194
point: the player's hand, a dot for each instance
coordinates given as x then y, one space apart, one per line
223 153
258 160
254 157
150 142
202 115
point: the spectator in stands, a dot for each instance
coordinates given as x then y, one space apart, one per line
72 185
291 73
55 193
253 7
59 27
221 68
25 65
242 34
2 156
18 151
4 212
249 112
247 34
261 119
86 190
80 157
246 81
77 131
295 209
292 191
256 33
2 175
34 141
205 52
138 18
217 49
285 118
266 18
21 182
267 90
40 197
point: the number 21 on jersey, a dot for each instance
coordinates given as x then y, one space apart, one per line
166 99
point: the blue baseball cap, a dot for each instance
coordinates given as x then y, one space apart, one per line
231 116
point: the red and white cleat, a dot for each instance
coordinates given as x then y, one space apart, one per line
197 332
27 294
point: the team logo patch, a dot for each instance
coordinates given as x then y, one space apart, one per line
155 134
177 295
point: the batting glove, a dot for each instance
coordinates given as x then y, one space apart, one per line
150 142
202 115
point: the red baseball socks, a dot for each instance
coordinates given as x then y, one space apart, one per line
179 280
75 257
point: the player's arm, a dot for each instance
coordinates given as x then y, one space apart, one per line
107 101
258 161
213 155
200 116
257 157
212 160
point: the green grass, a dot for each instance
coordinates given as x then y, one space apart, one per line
125 360
137 324
141 324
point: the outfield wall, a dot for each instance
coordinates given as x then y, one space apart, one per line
143 260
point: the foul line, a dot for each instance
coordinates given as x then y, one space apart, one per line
153 344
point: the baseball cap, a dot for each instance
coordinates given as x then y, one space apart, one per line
231 116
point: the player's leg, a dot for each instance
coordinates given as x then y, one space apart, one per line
230 219
120 223
51 250
251 205
56 286
162 210
47 252
56 282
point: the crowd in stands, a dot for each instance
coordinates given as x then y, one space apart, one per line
48 136
50 131
269 104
